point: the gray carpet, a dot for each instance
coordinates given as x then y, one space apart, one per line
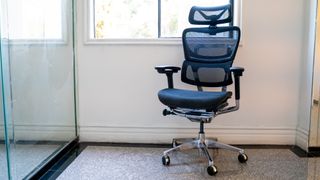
98 162
24 158
3 163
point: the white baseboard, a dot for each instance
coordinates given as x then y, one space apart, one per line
302 138
230 135
41 133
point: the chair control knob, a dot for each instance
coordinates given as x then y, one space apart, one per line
166 112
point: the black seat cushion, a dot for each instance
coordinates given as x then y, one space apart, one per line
193 99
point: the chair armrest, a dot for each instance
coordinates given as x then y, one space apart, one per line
237 72
168 70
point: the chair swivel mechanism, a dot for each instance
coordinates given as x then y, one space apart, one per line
209 54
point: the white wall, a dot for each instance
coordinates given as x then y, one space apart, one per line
118 84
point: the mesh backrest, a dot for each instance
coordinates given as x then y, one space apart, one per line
210 15
209 54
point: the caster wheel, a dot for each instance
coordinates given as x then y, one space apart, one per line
165 160
174 144
212 170
242 158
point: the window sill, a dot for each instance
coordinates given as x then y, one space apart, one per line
61 42
160 41
155 41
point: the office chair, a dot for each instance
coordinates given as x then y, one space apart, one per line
209 54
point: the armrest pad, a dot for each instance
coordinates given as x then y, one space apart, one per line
167 69
237 71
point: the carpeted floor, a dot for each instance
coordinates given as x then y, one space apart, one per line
102 162
24 158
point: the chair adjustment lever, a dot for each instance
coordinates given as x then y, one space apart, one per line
166 112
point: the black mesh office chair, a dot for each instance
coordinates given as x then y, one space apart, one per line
209 54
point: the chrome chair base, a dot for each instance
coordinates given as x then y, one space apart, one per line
203 144
179 141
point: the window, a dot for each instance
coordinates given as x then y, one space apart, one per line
125 18
142 19
35 19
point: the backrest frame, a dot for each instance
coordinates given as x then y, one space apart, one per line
201 62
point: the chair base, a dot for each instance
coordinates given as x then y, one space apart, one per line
204 144
179 141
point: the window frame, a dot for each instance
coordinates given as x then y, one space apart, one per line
89 29
50 41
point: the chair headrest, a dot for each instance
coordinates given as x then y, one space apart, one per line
210 15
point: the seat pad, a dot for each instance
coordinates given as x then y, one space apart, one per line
179 98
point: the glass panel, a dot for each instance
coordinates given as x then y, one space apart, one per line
4 56
38 81
174 14
314 135
3 152
3 133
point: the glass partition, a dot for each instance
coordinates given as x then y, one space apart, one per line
3 134
4 174
4 56
314 134
38 116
